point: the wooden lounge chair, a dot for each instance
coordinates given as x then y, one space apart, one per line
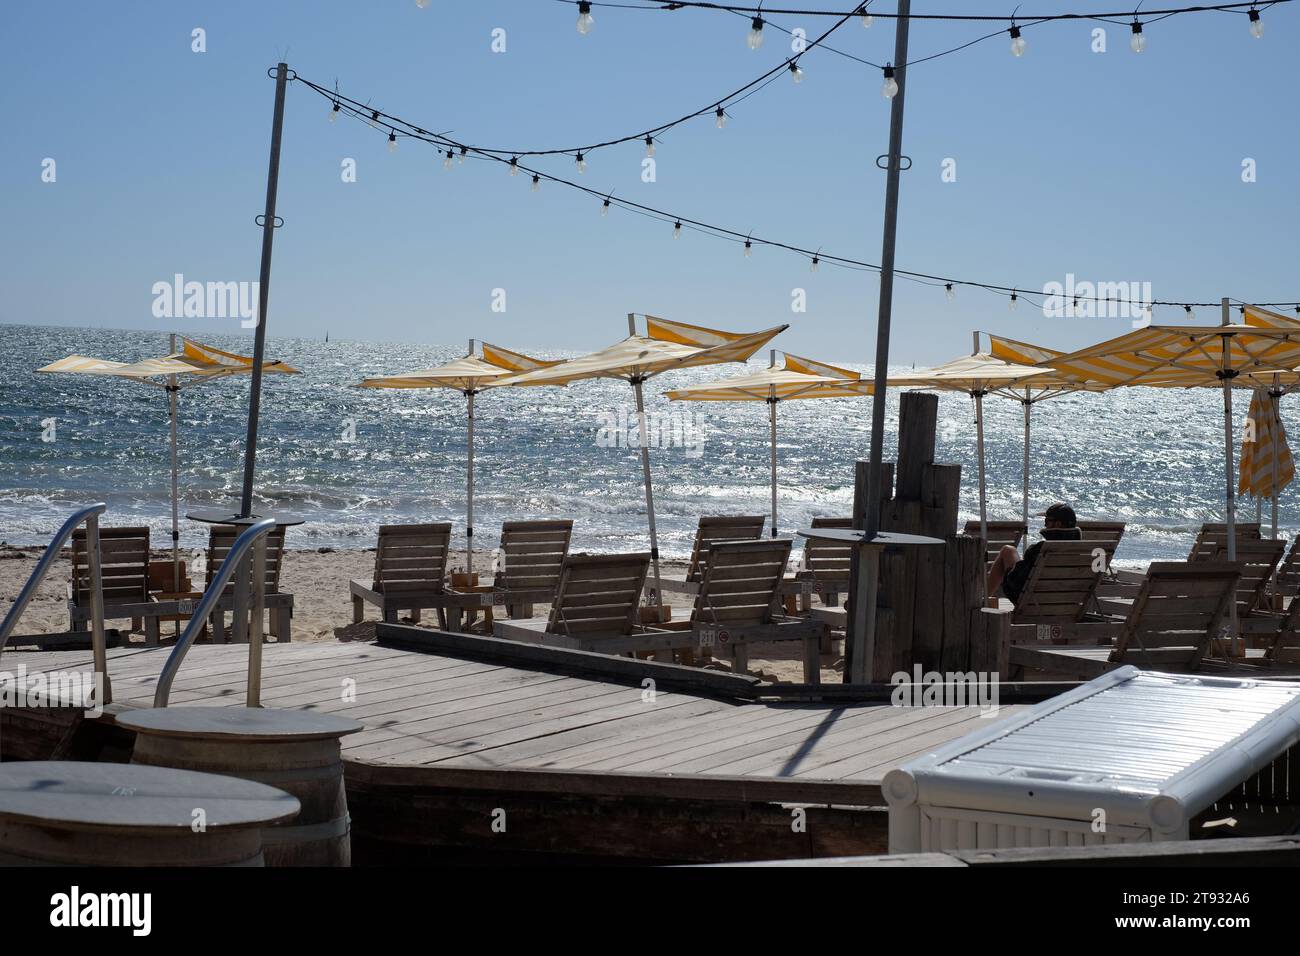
533 553
1258 558
1214 534
410 567
825 565
1170 625
124 564
712 529
1059 593
1287 580
1284 649
1000 533
279 604
1109 533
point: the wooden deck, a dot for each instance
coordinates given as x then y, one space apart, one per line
694 772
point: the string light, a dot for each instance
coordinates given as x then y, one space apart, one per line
421 3
796 74
1014 300
867 20
1256 24
334 113
816 260
604 207
392 141
721 118
649 147
360 111
948 291
446 163
1138 40
461 158
890 89
374 118
1017 41
749 249
581 163
755 38
585 20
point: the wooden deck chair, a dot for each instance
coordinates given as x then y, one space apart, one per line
1284 651
124 567
410 568
533 553
279 604
1170 625
1061 588
739 602
826 564
1258 558
1214 534
712 528
1000 533
596 602
1109 533
1287 580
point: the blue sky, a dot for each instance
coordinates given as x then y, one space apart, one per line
1114 167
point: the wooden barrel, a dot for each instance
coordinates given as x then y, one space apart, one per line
296 751
69 813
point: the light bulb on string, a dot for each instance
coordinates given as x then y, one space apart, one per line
514 165
374 118
581 163
749 252
755 38
1138 41
392 141
537 182
447 163
1191 316
604 207
815 263
948 291
796 74
461 158
1256 24
677 229
867 20
1078 312
585 20
334 112
721 117
1017 41
649 147
421 3
890 88
1015 299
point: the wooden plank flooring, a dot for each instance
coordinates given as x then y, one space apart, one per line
441 721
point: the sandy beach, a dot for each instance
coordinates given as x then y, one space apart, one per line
318 579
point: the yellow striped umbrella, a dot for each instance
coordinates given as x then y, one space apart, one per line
800 378
469 376
1266 463
1189 356
193 363
665 346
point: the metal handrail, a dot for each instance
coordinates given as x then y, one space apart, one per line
90 516
237 559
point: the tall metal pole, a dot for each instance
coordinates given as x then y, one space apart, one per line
645 474
172 389
263 290
1226 373
1024 491
861 646
771 412
469 485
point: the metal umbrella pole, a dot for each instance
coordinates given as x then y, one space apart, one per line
1226 375
860 648
469 494
263 290
1028 404
771 411
649 491
172 394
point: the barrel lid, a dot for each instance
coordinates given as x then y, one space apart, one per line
237 722
90 795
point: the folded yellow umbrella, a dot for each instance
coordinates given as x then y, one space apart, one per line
665 346
469 376
193 363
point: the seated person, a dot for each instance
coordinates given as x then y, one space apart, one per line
1011 572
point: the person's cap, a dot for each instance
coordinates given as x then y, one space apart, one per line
1060 512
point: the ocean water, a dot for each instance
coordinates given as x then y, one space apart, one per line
348 459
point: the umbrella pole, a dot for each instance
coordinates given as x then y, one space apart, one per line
1275 433
469 494
860 645
979 446
263 290
1024 504
771 406
649 492
172 390
1230 498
